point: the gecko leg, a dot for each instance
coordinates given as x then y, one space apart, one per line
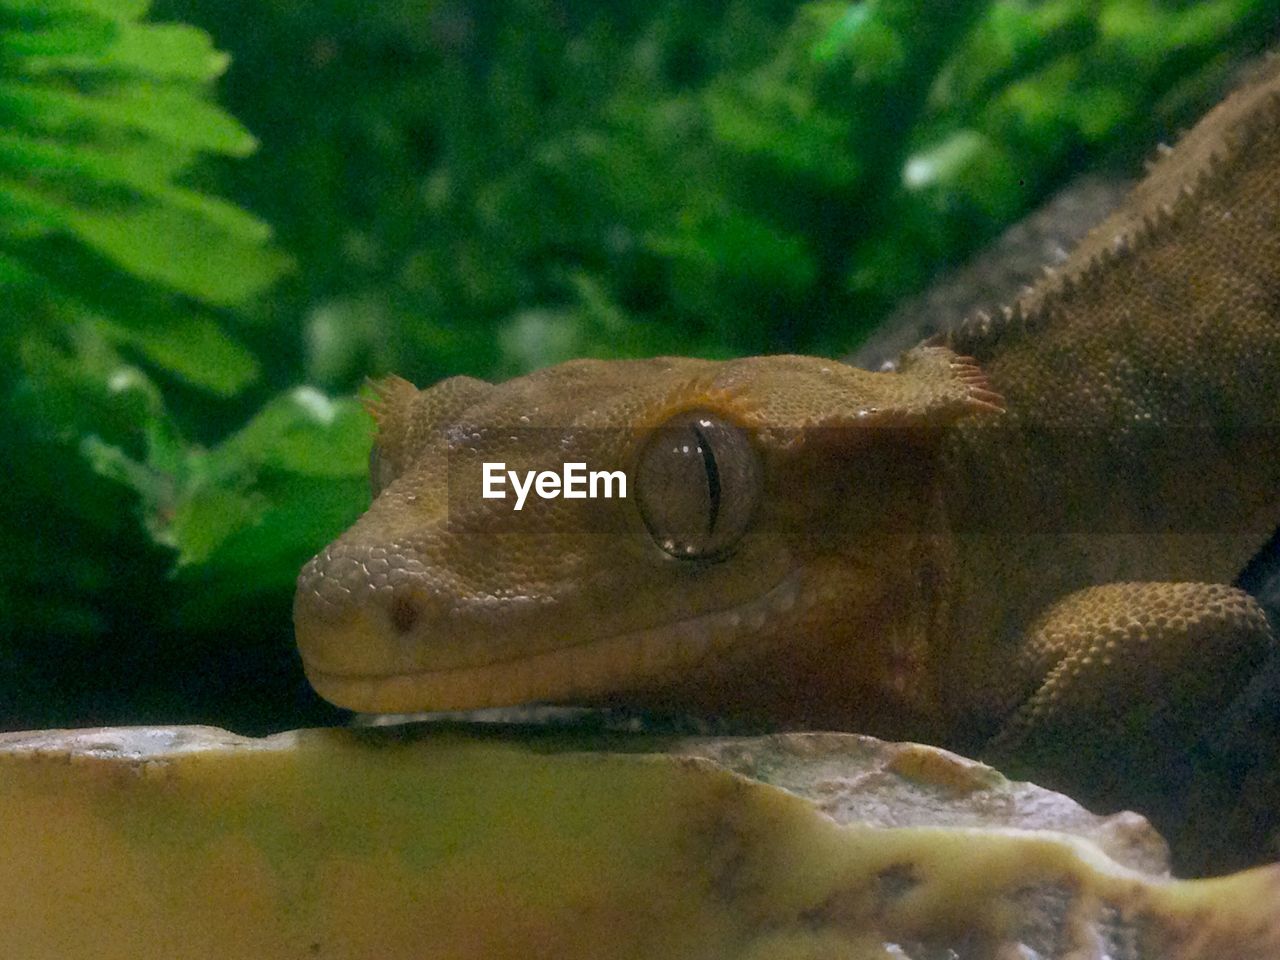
1129 677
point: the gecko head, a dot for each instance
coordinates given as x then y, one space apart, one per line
625 530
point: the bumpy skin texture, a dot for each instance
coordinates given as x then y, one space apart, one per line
1023 537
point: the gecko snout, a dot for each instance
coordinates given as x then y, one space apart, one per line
364 610
378 633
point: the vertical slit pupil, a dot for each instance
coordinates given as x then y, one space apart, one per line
713 477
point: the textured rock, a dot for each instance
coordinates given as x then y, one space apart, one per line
450 842
856 779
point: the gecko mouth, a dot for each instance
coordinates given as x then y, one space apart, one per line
701 646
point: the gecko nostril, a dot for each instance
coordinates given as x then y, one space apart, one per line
405 611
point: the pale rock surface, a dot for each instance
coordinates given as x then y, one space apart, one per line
447 841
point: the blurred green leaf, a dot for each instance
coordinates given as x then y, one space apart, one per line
205 521
196 500
307 433
837 38
735 244
116 9
169 113
76 36
87 390
191 256
113 463
264 556
154 50
787 126
876 51
13 273
194 348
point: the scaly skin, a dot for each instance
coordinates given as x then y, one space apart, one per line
1024 537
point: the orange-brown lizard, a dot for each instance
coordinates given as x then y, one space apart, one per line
1023 537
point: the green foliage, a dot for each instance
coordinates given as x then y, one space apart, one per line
473 188
116 274
727 178
102 116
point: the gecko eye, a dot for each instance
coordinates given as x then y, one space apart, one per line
381 472
698 483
